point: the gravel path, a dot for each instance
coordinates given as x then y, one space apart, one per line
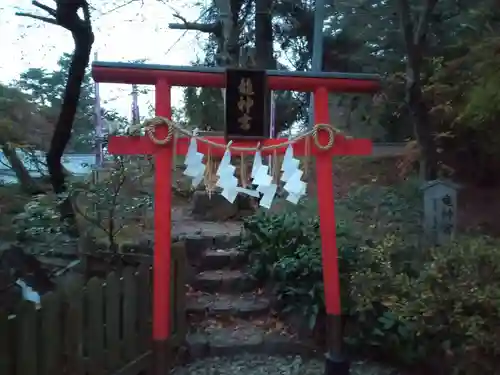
248 364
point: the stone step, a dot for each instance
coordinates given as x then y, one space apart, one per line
196 245
241 306
259 364
214 259
238 337
224 281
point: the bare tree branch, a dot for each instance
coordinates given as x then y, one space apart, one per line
412 36
177 15
202 27
406 21
40 18
118 7
424 22
86 12
49 10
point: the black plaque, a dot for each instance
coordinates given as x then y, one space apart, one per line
247 109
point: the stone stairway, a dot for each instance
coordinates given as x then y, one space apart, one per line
233 329
227 311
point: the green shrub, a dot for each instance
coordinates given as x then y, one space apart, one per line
455 309
267 238
378 282
409 304
286 247
40 223
446 308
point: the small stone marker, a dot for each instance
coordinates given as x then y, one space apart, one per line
440 211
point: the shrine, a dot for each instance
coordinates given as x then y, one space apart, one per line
246 134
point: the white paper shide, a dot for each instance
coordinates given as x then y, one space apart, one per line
265 187
194 163
261 178
227 180
292 176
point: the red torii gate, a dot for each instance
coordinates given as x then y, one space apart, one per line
164 77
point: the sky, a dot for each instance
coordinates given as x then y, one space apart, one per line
124 30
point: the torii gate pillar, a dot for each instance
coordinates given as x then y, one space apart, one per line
164 77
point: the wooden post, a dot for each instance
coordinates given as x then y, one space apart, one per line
162 235
335 363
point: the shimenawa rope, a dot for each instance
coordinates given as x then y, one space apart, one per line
151 124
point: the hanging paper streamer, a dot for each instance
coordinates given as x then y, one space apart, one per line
252 193
295 187
227 181
194 163
262 177
268 195
290 164
289 169
295 194
224 162
265 186
292 176
257 163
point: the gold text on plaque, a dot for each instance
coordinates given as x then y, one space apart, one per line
245 121
245 104
245 87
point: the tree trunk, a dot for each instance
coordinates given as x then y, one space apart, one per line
264 34
84 38
66 16
27 182
233 44
228 52
62 132
416 40
422 126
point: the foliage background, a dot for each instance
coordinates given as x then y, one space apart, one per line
403 302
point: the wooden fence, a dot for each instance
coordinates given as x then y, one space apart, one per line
101 328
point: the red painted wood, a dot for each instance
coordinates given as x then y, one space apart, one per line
163 218
198 79
326 208
123 145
